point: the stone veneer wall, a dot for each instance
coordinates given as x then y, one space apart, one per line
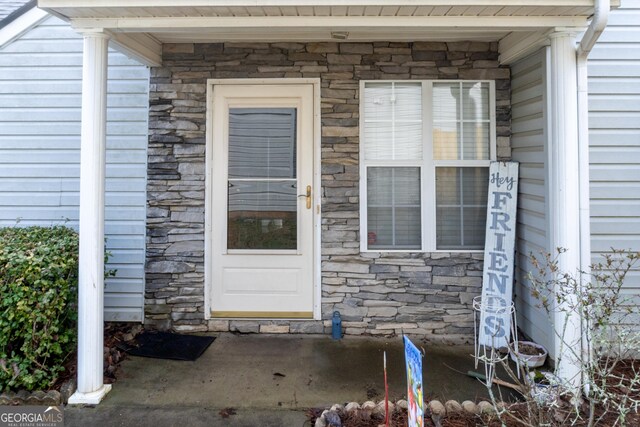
377 293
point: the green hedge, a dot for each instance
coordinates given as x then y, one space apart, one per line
38 294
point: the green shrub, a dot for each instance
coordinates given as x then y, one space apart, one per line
38 294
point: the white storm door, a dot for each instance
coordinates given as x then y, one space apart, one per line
262 201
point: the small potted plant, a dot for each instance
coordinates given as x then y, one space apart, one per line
528 354
545 387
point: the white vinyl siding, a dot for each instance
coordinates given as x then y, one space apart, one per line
614 138
40 96
529 142
7 7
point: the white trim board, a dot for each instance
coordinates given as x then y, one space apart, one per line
331 23
140 47
248 3
21 25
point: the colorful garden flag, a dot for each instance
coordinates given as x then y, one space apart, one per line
415 390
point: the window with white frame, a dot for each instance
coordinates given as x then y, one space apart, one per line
425 153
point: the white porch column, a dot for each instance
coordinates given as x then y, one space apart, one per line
91 389
564 189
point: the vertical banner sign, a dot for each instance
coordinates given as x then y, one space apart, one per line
497 278
415 392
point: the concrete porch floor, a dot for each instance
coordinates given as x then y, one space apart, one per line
241 371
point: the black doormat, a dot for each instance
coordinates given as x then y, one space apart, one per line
166 345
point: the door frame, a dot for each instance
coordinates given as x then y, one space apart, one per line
317 208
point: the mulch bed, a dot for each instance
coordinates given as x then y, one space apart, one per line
465 419
620 378
114 334
399 419
562 413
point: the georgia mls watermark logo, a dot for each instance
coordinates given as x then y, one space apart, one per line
31 416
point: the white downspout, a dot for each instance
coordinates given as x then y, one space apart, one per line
596 27
591 35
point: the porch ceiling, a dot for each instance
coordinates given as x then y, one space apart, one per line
142 26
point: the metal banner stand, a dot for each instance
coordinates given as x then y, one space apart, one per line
490 355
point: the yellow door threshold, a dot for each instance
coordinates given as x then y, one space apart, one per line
263 314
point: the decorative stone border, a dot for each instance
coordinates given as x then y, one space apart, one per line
23 397
438 410
39 397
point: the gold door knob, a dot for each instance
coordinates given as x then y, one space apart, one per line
308 196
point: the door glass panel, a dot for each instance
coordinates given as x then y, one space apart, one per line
262 143
262 186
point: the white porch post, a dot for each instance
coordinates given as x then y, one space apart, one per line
91 389
564 206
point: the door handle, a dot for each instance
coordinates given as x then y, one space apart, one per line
308 196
